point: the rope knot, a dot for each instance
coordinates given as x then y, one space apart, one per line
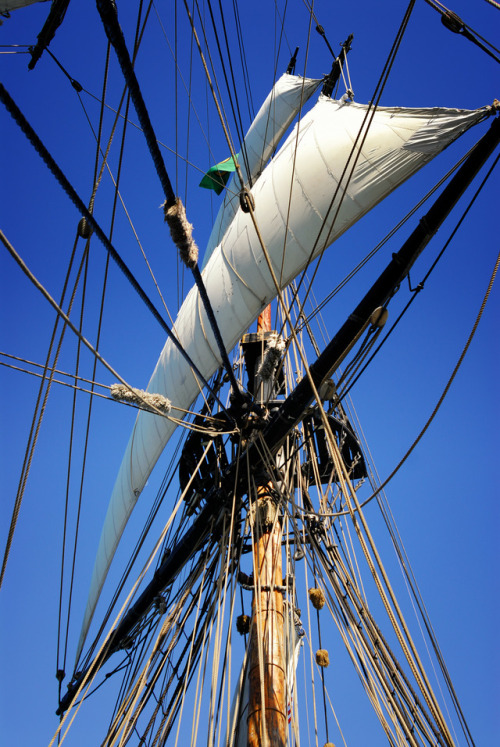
181 231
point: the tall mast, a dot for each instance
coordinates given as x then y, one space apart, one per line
267 702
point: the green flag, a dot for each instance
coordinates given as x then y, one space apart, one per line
217 176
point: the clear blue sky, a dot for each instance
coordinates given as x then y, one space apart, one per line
445 499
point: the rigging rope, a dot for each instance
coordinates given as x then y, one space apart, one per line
452 22
84 231
353 158
56 371
317 307
60 312
341 595
445 390
37 422
231 86
174 211
42 151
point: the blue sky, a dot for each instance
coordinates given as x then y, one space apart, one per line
445 499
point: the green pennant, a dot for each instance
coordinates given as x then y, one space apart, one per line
217 176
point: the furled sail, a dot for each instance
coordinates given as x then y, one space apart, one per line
297 219
273 119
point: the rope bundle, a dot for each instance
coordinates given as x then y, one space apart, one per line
317 598
181 231
140 397
275 347
322 658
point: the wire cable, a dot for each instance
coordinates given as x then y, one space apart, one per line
80 205
109 17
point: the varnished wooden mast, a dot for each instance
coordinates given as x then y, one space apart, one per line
267 699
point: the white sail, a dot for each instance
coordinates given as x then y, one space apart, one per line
273 119
306 171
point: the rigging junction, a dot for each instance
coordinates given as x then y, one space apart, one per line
263 432
266 434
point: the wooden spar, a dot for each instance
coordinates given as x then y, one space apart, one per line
267 723
264 320
267 726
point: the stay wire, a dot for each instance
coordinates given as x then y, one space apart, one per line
317 308
415 592
109 17
38 412
243 60
15 112
67 384
138 37
408 572
66 508
295 152
68 472
56 371
456 25
352 160
421 285
187 88
231 87
213 85
218 105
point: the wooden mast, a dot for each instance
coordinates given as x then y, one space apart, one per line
267 699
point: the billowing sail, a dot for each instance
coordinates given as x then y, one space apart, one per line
298 186
273 119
